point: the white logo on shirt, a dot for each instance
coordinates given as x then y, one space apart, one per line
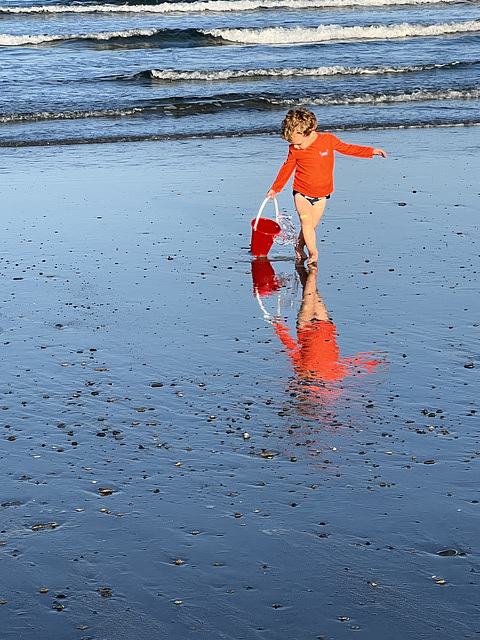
323 153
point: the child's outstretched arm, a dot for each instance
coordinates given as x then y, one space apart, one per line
359 151
271 194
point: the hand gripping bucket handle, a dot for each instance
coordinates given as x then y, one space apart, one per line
262 207
264 231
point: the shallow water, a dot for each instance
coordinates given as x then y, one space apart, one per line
121 268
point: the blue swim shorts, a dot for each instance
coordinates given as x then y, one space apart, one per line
311 200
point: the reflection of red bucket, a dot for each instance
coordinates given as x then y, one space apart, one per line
263 276
263 235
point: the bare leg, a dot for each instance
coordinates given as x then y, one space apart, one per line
310 216
312 307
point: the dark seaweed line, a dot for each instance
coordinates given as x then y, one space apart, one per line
227 134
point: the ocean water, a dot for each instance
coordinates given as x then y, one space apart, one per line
97 71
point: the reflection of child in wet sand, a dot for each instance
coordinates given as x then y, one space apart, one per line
311 156
315 353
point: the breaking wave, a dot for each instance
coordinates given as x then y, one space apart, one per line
186 106
267 35
326 33
204 75
216 6
418 95
147 37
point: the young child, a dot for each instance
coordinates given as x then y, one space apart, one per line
311 156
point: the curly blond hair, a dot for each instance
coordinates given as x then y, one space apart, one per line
298 121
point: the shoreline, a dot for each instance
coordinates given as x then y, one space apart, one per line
225 135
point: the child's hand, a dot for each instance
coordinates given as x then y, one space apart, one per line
271 194
379 152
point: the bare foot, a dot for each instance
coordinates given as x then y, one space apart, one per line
300 253
312 260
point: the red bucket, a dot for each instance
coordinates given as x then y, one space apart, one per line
264 231
264 280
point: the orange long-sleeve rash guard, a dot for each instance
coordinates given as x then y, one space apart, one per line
313 166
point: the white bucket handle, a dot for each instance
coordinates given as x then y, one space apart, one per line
262 208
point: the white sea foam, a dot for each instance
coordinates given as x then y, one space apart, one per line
420 95
271 35
216 5
67 115
173 75
326 33
7 40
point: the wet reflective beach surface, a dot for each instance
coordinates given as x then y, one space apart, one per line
195 443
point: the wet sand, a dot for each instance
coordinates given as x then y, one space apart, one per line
177 460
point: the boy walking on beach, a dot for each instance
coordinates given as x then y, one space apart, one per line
311 156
